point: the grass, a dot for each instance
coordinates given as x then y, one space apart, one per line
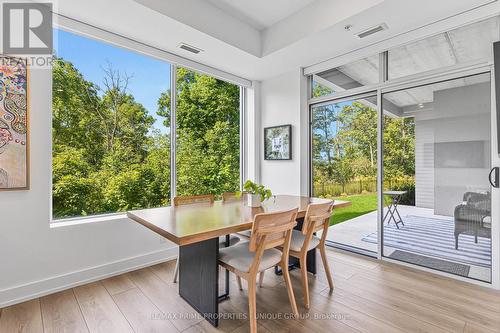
361 204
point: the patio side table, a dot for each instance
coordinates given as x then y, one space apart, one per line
392 208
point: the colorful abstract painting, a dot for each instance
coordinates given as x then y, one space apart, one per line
14 153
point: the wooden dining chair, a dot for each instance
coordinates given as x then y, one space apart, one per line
233 196
200 199
193 199
246 260
245 234
236 197
317 219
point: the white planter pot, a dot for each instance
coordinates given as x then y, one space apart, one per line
253 200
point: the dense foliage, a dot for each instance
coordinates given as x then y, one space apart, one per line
208 122
108 156
345 146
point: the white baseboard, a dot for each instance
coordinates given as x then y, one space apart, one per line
32 290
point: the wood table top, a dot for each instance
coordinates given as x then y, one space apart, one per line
190 224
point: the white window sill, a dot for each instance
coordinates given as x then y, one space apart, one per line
87 219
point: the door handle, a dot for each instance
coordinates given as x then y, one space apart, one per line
494 183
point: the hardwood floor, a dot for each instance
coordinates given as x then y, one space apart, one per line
369 296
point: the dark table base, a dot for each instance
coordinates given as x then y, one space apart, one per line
199 278
293 263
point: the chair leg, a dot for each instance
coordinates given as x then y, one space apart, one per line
238 279
261 279
322 250
252 306
289 288
176 271
305 281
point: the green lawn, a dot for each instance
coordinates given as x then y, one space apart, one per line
361 204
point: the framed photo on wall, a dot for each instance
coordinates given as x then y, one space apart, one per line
14 129
278 143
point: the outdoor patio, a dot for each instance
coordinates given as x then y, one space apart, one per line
426 239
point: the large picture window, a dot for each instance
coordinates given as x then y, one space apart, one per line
110 147
111 130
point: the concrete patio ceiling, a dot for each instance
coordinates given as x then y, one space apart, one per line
465 44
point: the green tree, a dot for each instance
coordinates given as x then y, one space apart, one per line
399 147
343 172
108 157
75 106
319 90
360 136
75 191
345 144
105 157
207 118
326 142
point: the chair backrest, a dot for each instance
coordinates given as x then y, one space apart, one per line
194 199
232 196
317 219
270 230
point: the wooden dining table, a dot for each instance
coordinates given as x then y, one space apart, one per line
197 228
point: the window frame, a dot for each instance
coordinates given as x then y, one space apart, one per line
92 32
420 79
385 86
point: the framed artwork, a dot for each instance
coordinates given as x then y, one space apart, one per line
278 142
14 128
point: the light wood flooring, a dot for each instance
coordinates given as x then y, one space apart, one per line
370 296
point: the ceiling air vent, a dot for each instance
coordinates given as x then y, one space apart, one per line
190 48
371 31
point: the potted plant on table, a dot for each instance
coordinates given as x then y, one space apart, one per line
256 193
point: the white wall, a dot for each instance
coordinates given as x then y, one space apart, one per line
36 259
282 103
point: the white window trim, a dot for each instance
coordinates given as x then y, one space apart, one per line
72 221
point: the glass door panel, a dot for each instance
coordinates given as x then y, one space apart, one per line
436 161
344 167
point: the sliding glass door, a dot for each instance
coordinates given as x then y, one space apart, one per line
427 201
344 167
436 161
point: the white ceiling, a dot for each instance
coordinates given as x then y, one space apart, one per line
260 14
293 20
306 37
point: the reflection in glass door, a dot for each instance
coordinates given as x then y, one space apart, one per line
437 146
344 167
